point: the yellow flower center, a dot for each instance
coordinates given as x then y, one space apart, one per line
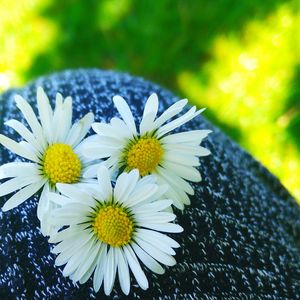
61 164
113 226
144 155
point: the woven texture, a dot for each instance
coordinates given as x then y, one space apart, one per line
241 230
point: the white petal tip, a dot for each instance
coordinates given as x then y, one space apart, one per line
5 208
161 272
107 293
90 116
145 287
180 229
153 96
118 98
40 92
184 100
7 123
201 110
18 98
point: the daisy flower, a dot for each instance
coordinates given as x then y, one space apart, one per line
53 146
111 231
171 158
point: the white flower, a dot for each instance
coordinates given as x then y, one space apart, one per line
171 158
53 146
111 230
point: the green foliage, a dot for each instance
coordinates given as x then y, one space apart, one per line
238 58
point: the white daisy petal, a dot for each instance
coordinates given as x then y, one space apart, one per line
97 139
72 210
175 192
156 241
188 173
65 220
78 243
88 273
141 195
136 268
123 272
106 130
17 148
30 149
151 106
125 112
86 123
147 260
192 113
73 134
75 193
45 112
100 265
63 234
120 126
69 238
179 198
87 261
186 149
175 180
168 227
146 125
91 171
152 207
156 253
79 130
15 169
149 114
31 119
73 267
104 181
193 136
16 183
67 119
43 205
190 161
58 118
161 191
75 260
157 236
24 133
149 179
110 271
22 195
158 217
172 111
125 184
99 152
59 199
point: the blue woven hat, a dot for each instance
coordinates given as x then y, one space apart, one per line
241 232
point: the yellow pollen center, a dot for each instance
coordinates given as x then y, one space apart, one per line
61 164
144 155
113 226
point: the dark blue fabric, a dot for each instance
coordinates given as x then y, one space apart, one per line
241 230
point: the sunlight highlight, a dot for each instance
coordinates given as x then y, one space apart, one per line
23 35
248 86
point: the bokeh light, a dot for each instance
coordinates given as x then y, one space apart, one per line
239 59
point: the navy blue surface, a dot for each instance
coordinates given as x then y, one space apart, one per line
241 230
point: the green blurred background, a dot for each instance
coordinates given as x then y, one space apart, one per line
240 59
